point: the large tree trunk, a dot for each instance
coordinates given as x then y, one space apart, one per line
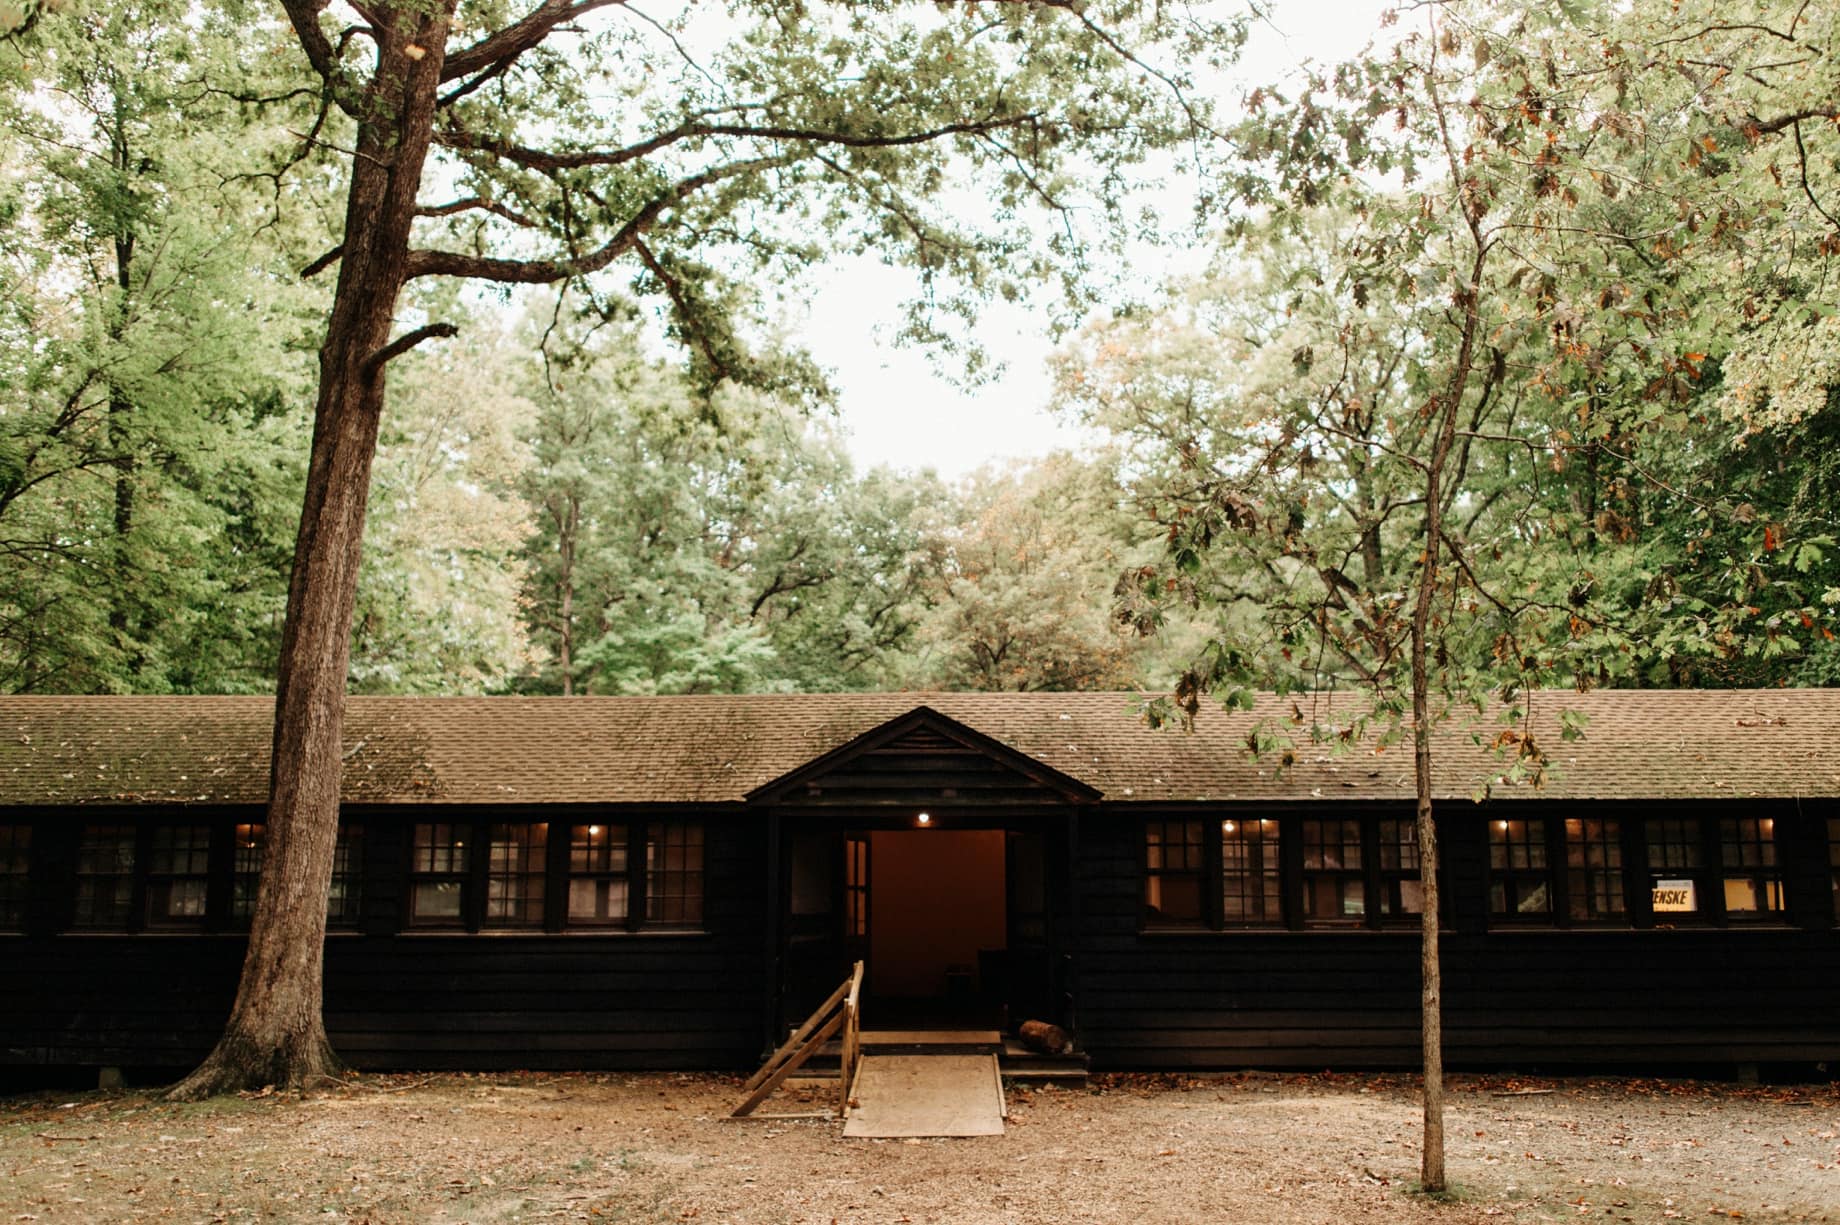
276 1033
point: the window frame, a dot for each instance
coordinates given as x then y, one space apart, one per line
1154 869
1615 870
1366 856
124 913
555 871
15 876
1764 877
1263 868
1540 830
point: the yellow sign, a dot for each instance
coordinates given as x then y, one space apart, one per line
1675 897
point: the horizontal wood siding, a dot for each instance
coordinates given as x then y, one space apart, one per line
1327 998
407 1001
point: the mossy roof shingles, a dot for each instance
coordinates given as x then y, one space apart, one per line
1653 744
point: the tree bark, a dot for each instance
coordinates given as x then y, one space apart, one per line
276 1033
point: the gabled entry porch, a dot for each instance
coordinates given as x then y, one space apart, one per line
940 858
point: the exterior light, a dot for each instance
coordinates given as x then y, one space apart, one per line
925 818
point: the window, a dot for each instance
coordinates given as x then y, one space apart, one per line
346 893
1334 883
1833 860
856 888
599 890
1251 886
1747 860
178 875
1520 889
437 876
1593 871
516 864
105 876
1173 874
674 875
247 873
1402 894
1675 860
15 874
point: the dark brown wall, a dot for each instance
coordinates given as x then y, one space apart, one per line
1326 998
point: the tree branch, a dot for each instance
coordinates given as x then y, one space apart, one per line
545 161
402 344
472 203
540 272
496 51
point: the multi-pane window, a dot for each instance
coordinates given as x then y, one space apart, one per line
516 864
856 888
247 873
438 861
1593 870
1251 885
599 888
1833 861
105 876
15 873
346 892
1402 894
178 875
1675 859
1747 862
674 874
1334 882
1174 872
1520 881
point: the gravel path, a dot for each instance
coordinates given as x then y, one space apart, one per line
1339 1150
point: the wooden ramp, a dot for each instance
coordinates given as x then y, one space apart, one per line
926 1095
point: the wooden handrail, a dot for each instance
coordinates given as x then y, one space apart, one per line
839 1012
852 1042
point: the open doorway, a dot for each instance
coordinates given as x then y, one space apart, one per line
937 928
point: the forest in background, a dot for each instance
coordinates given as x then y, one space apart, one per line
567 501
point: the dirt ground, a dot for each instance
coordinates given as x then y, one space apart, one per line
1247 1148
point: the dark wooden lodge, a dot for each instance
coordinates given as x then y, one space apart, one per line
668 882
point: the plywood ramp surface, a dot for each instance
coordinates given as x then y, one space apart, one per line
927 1095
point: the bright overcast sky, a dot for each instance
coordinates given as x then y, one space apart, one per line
899 411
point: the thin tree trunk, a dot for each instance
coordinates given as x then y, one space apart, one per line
276 1032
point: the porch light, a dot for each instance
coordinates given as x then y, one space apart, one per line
925 818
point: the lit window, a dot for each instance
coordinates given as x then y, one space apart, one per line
856 888
345 894
1520 885
1402 893
1173 872
15 873
105 876
1251 885
1334 884
674 875
437 875
598 886
1594 871
178 875
248 840
516 864
1747 861
1675 860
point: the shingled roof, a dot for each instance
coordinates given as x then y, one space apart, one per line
716 749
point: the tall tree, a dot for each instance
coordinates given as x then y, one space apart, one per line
149 325
805 128
1470 331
